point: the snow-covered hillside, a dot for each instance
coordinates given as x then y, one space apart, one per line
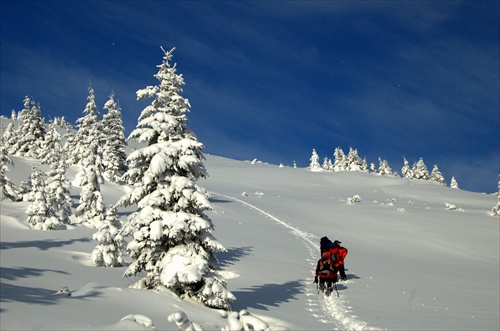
414 261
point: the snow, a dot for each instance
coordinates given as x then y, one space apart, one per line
414 262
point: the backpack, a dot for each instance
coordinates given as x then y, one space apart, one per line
326 266
325 244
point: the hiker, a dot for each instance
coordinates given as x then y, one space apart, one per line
340 253
325 273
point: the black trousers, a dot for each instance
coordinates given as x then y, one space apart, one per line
327 281
342 272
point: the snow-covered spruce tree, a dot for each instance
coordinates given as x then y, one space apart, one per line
91 209
384 168
495 211
8 187
108 253
354 161
90 130
420 171
58 188
41 214
437 176
327 164
9 137
314 165
171 234
453 183
114 157
51 148
340 162
30 132
406 171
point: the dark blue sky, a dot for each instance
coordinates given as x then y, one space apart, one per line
274 79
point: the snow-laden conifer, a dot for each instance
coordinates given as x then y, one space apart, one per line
340 160
40 213
9 137
327 164
58 188
437 176
91 209
355 162
171 234
108 253
420 171
8 187
314 165
406 171
90 130
51 148
495 211
384 168
30 131
114 157
454 183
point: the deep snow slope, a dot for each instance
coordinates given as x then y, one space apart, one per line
412 263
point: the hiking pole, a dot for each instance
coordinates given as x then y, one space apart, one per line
338 295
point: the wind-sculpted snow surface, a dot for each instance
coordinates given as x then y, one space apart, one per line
326 308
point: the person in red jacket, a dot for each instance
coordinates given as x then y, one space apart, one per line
326 272
341 253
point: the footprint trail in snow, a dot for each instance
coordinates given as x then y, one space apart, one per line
331 309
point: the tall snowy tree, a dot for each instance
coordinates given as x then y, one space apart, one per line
171 234
437 176
495 211
114 157
91 208
8 187
314 165
108 253
90 131
40 213
58 188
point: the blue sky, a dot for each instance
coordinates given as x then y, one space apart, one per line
274 79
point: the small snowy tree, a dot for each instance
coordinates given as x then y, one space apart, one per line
384 168
171 234
51 148
406 171
327 164
420 171
340 162
41 214
114 157
355 162
495 211
314 165
453 183
108 253
30 132
437 176
9 137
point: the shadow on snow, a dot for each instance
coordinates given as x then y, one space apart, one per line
259 297
41 244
